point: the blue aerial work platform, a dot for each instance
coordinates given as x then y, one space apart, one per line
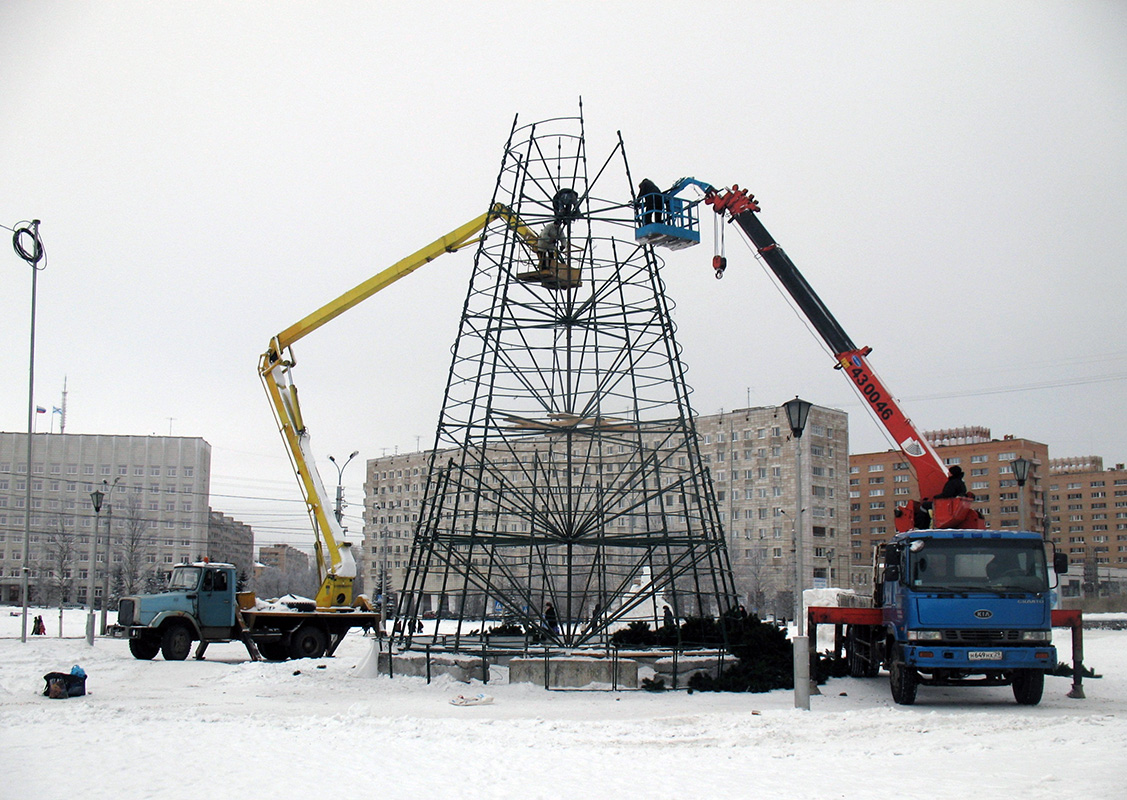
664 220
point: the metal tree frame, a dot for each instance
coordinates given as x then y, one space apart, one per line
566 469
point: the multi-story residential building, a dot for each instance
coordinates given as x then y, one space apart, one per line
751 459
1088 510
878 482
154 514
393 495
230 541
284 557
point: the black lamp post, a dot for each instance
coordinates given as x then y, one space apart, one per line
108 489
96 497
1020 467
797 413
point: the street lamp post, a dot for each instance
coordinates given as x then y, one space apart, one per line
108 489
340 485
29 247
1020 467
96 498
382 562
797 413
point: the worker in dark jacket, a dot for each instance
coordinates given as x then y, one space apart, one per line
652 201
955 486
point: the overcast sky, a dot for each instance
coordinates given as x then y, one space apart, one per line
950 177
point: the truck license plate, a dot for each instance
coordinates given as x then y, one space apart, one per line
985 655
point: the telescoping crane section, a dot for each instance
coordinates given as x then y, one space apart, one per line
335 564
741 208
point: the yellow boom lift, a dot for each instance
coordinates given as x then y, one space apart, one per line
335 563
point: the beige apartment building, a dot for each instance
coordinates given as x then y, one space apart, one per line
283 557
155 512
751 459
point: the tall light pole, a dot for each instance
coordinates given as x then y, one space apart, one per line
340 485
1021 474
108 489
382 564
797 413
29 247
96 497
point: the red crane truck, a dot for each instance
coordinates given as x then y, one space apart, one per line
953 603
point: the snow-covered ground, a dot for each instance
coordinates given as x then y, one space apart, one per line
230 728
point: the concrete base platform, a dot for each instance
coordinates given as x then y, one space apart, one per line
414 664
573 672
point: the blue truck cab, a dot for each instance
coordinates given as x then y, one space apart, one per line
199 604
967 607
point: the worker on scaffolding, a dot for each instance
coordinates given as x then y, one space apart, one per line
548 245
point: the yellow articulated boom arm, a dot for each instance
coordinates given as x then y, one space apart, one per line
337 567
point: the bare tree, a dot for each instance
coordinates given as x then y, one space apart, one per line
273 582
135 545
55 566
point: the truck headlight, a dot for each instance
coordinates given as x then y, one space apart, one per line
1036 636
925 636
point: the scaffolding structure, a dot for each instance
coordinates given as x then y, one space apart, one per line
566 493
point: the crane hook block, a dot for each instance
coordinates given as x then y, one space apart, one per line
719 263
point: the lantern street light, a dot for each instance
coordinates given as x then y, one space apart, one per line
108 489
797 413
1020 467
96 497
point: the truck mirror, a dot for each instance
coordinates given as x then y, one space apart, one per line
1060 563
892 573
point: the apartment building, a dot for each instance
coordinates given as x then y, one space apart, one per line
1088 509
283 557
230 541
154 513
751 459
880 481
393 495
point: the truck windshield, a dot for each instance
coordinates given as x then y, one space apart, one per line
184 578
977 565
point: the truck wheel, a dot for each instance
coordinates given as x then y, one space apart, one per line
176 643
1028 684
308 641
273 651
903 681
144 649
858 666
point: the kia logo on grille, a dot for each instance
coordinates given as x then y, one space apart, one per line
984 613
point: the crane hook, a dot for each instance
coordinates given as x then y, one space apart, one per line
719 263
